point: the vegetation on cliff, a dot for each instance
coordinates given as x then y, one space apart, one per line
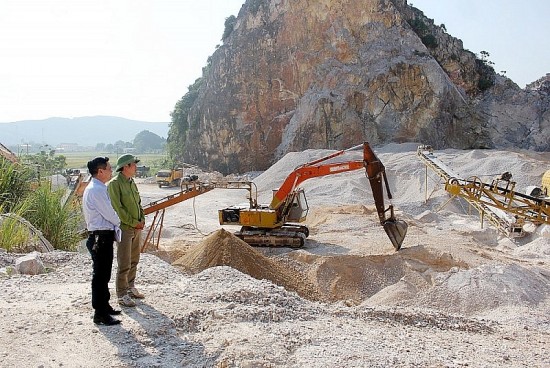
180 124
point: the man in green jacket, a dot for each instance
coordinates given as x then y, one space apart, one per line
127 204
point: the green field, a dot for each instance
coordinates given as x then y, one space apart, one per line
78 160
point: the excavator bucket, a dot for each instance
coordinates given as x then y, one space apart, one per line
396 230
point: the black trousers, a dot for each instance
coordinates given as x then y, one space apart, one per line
101 249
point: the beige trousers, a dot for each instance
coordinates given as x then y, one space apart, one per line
128 252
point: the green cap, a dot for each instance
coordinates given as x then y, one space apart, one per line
125 160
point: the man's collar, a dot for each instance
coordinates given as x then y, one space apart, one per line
97 180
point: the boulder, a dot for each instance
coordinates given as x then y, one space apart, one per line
30 264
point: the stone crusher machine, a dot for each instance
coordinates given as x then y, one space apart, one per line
506 209
277 224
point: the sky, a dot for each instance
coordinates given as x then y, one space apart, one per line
136 58
515 33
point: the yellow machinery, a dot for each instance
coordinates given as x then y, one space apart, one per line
493 199
78 181
277 224
193 188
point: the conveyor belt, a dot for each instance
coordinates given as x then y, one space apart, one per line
506 209
189 190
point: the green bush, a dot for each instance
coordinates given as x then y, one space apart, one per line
486 75
429 41
14 184
484 83
40 206
423 31
14 236
59 223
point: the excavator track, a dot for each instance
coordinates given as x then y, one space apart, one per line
293 236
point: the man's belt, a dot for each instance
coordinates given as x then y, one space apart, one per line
101 232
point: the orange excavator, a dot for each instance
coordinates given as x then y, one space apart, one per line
277 224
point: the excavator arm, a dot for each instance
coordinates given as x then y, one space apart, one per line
312 170
375 171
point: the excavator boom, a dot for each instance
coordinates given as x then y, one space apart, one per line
313 169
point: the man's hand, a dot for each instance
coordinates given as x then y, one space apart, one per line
141 225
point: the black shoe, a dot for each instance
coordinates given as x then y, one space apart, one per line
113 312
107 320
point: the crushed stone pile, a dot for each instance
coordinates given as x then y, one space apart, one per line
222 248
486 287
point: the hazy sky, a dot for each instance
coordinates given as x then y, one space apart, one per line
136 58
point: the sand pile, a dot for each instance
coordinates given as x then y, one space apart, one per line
351 278
486 287
222 248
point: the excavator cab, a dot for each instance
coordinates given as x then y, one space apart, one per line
297 208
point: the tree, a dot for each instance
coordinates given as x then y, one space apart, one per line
46 162
485 71
485 58
119 146
229 26
146 141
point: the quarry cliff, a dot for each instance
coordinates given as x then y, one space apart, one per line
293 75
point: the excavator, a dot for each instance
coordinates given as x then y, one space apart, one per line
277 224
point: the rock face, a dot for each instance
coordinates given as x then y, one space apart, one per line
298 74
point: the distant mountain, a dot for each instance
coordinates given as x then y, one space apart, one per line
84 131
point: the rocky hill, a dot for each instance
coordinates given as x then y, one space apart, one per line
301 74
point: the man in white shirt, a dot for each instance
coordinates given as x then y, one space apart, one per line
102 223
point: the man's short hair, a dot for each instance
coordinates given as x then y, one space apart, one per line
96 164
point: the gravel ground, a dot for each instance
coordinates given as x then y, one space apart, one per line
221 317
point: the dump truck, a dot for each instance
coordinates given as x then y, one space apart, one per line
142 171
169 178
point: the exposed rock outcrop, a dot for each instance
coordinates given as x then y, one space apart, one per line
301 74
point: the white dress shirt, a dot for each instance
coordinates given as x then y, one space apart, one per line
98 211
